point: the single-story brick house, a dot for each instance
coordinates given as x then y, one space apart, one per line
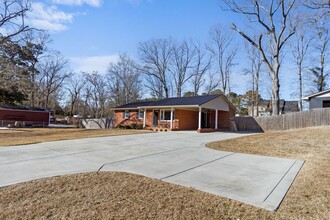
30 116
319 100
201 113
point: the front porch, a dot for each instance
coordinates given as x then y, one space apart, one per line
199 119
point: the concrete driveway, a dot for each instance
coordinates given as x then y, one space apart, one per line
176 157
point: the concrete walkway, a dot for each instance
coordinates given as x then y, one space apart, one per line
176 157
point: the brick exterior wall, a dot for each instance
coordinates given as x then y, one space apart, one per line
22 115
184 119
120 120
188 120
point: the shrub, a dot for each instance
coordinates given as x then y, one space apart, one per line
134 126
120 126
139 126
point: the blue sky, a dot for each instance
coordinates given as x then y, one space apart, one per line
91 33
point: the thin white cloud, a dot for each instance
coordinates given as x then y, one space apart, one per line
93 63
48 17
94 3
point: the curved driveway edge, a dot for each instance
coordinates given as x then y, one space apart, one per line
177 157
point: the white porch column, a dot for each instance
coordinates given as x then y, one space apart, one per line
144 117
171 126
200 118
216 119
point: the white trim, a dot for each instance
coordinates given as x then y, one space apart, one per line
171 118
120 109
144 118
162 113
308 98
216 119
169 106
129 114
200 118
140 110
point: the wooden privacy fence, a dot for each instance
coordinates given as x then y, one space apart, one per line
293 120
247 124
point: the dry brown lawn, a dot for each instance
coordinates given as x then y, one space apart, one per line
111 195
20 136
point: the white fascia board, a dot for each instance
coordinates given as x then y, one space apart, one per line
114 109
318 94
169 106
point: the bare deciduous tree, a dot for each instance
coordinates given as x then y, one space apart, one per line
96 96
53 73
224 52
75 86
323 6
201 65
183 55
155 56
276 27
299 51
254 70
34 49
12 18
124 80
212 82
321 45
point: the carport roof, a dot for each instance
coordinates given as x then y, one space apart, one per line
179 101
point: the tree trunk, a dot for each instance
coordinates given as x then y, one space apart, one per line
166 92
275 95
33 88
71 108
178 91
300 87
257 90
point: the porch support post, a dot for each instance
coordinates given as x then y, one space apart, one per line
200 118
216 119
171 125
144 117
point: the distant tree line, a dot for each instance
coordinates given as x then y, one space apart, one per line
33 74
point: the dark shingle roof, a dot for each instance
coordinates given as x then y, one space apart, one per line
291 106
135 104
180 101
30 108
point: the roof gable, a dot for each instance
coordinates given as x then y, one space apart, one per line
307 98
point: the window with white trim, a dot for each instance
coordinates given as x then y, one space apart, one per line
165 115
141 114
126 114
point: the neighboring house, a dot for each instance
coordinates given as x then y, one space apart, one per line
30 116
201 113
265 107
319 100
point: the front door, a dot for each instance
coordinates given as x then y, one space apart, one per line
155 118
